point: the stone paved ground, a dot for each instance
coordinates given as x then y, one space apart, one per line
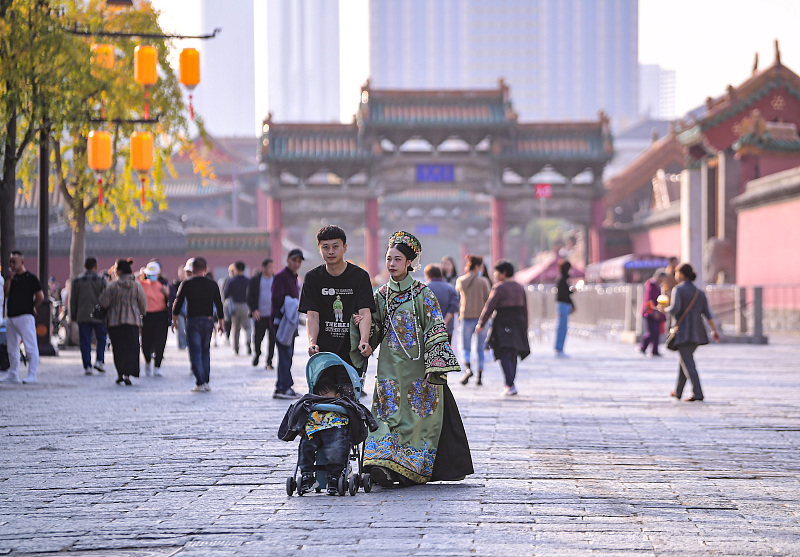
593 457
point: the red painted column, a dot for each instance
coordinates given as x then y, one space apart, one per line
597 240
262 209
371 237
275 229
498 229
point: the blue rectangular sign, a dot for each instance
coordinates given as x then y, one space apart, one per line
435 173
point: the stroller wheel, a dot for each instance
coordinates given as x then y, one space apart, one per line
291 485
342 485
352 485
366 482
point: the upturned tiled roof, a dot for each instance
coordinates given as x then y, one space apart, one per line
298 142
435 108
204 239
555 141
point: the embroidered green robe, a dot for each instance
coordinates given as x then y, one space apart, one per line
409 409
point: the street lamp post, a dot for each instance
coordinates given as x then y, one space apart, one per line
44 312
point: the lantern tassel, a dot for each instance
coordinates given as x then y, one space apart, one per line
191 108
100 190
143 179
146 106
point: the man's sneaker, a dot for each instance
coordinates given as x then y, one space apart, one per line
157 372
11 378
288 393
510 391
198 389
307 484
100 366
207 387
87 370
148 368
269 366
31 380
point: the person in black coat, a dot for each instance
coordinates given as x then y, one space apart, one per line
691 331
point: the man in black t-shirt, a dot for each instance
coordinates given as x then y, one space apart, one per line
23 294
332 293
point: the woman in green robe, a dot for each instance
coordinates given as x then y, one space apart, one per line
420 437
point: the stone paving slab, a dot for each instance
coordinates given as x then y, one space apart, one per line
592 458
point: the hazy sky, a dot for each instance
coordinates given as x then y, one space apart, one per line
709 43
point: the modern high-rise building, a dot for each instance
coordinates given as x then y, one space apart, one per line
656 92
563 59
297 49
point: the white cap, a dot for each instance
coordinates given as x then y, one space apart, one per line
189 263
152 268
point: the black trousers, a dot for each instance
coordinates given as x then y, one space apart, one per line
154 336
260 329
125 343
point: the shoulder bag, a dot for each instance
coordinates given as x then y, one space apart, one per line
673 331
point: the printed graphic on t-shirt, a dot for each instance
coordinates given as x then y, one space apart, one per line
338 327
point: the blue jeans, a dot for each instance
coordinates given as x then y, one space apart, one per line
467 330
285 355
198 333
561 330
85 330
180 330
333 444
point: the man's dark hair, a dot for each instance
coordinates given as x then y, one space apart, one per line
199 264
266 262
239 266
564 267
331 232
506 267
433 271
17 252
90 263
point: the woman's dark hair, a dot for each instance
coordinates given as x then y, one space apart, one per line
504 266
564 267
453 263
406 250
687 270
123 267
473 261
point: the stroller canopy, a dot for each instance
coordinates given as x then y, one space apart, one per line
322 361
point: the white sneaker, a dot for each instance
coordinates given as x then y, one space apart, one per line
206 387
198 389
30 380
157 372
87 370
148 368
100 366
12 378
510 391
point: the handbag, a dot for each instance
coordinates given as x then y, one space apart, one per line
672 337
99 312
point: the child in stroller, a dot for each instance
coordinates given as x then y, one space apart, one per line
331 423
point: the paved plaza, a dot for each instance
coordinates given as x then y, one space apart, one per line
592 458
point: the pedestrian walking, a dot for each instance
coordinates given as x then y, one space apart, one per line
285 305
332 294
125 303
420 436
84 296
474 291
652 314
202 298
180 329
449 270
564 306
23 294
236 294
688 307
446 295
259 301
508 307
155 324
227 304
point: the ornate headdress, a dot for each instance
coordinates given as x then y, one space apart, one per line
408 239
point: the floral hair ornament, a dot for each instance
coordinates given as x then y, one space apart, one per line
408 239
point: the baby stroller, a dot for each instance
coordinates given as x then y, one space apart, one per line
348 384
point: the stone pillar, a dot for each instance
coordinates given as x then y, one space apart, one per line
371 212
262 209
597 238
692 213
275 228
498 229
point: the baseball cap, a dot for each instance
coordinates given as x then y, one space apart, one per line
296 253
152 268
189 263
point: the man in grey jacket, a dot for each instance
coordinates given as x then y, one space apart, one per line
84 295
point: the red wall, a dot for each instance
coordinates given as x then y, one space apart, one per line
768 238
665 240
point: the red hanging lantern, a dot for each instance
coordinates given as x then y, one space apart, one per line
190 72
142 156
145 71
99 154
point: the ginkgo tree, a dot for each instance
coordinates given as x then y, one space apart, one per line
98 98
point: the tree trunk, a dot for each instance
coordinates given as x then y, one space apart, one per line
8 192
77 246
